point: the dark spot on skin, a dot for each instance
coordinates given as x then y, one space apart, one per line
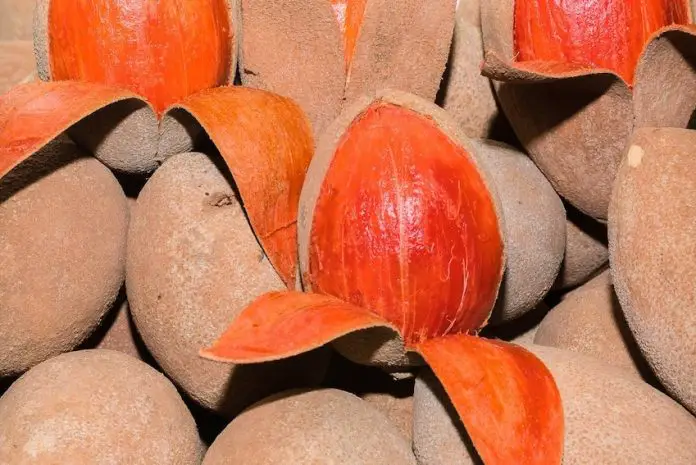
221 200
248 71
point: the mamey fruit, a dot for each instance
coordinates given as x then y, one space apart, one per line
63 224
323 426
400 229
96 406
193 264
321 53
576 77
589 320
611 417
163 51
651 239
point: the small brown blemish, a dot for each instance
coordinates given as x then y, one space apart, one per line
635 156
220 200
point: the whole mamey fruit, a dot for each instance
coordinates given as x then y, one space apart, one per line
652 225
589 320
321 53
161 50
611 417
400 229
323 426
96 407
575 78
63 224
193 264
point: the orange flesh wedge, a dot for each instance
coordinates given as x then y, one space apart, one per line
606 34
405 226
163 50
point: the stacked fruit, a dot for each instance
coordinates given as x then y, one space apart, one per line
419 232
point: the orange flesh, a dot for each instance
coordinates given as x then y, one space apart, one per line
405 227
608 34
163 50
349 14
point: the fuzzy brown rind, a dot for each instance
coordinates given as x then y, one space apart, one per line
651 242
16 63
322 426
16 19
379 351
193 265
294 48
589 321
586 250
399 409
404 48
96 406
380 347
536 228
610 417
63 225
469 96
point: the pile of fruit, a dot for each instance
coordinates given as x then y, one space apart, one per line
361 232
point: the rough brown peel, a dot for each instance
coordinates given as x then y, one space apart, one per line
651 237
323 426
589 320
96 406
63 223
193 264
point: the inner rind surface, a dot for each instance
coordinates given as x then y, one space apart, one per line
405 226
606 34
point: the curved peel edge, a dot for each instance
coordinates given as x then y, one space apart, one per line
280 325
33 114
267 144
665 83
505 396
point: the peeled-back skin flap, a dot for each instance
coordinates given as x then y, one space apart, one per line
402 45
280 325
652 245
33 114
505 396
665 88
266 142
294 48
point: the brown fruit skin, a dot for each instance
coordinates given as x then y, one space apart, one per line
96 407
535 228
398 409
63 225
611 417
589 321
16 19
307 427
121 336
652 231
193 265
586 250
466 94
16 63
